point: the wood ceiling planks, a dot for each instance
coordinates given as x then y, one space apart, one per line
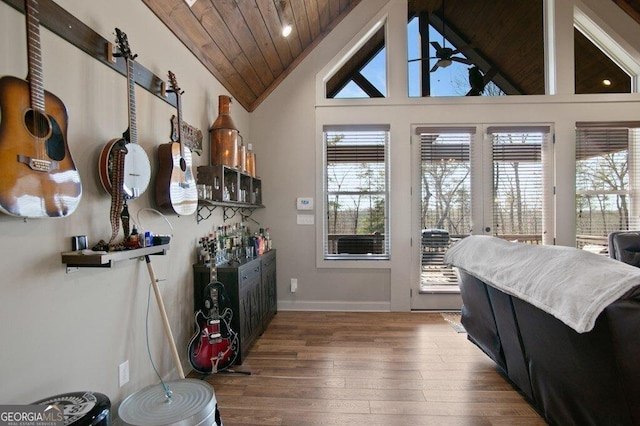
239 41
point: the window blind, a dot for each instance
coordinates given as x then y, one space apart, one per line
520 190
445 198
607 180
445 180
356 192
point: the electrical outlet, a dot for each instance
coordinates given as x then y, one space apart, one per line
294 285
123 373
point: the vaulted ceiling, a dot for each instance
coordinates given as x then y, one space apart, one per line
240 43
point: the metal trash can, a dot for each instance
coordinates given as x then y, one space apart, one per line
192 403
82 408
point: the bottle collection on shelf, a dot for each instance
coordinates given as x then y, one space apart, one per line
232 244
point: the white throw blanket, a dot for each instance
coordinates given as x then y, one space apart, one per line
573 285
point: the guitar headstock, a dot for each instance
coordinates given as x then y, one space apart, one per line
174 84
123 45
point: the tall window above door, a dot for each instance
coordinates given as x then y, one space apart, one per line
475 47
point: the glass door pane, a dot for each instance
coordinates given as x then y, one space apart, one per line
518 185
445 201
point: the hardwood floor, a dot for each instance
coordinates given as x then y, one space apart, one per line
336 368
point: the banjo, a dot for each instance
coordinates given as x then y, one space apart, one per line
136 171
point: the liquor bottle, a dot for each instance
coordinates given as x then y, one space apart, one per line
267 238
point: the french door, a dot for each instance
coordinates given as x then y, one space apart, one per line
481 180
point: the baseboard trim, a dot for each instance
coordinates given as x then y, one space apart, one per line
333 305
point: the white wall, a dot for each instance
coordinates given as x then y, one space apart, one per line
292 119
66 332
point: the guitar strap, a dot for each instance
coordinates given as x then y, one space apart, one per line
124 217
117 196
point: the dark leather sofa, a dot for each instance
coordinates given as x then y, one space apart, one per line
571 378
625 247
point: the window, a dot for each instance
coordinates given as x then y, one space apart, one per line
469 50
363 75
445 194
602 63
606 178
500 185
606 77
519 189
356 188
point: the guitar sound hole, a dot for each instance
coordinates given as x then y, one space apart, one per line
183 165
37 123
42 126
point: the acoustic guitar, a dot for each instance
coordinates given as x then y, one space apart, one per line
38 177
175 184
137 168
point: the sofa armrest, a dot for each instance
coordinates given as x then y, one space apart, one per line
624 323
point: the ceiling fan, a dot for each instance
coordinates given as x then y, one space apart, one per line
444 55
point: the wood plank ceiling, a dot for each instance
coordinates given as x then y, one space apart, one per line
240 43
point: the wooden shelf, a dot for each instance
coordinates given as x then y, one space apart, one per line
75 259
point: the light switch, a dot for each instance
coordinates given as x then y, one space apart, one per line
305 219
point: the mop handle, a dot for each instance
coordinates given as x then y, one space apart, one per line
165 320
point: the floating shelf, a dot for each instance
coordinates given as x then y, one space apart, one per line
75 259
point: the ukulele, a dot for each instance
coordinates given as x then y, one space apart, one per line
39 177
137 169
175 184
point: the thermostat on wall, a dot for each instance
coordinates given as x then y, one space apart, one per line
304 203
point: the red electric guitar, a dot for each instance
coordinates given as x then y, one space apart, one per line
39 177
214 345
175 184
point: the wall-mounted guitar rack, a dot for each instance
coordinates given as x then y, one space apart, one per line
69 28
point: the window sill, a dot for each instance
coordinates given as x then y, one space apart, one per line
440 289
354 264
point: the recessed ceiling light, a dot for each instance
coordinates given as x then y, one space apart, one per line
606 82
286 30
190 2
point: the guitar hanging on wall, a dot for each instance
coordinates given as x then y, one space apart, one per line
137 169
175 184
38 175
